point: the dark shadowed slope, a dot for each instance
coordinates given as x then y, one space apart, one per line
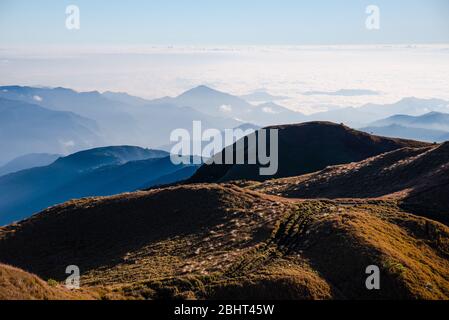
221 241
306 148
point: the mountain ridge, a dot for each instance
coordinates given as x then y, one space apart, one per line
305 148
409 175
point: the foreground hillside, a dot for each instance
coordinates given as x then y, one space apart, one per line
210 241
16 284
305 236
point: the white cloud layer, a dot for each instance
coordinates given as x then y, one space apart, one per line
226 108
394 71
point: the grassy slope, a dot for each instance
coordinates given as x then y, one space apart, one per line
250 240
170 243
417 176
16 284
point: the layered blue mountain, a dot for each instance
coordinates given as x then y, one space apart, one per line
89 104
220 104
432 120
407 106
28 161
29 128
115 120
399 131
431 127
121 118
96 172
368 113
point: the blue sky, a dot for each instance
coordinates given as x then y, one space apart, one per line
220 22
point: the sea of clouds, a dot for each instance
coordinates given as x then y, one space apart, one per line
311 76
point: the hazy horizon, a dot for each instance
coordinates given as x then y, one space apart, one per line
153 49
296 72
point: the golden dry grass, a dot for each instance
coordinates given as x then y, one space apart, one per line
212 241
16 284
419 177
412 253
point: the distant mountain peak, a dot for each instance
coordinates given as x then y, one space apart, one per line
201 90
202 86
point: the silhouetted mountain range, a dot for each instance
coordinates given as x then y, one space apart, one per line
407 106
29 128
396 130
96 172
432 120
366 114
28 161
432 127
120 118
220 104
